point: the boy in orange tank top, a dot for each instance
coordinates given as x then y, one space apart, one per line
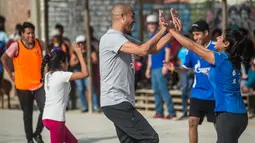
27 55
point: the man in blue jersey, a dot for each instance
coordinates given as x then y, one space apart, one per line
202 101
157 72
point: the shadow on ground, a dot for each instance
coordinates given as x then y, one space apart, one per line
94 140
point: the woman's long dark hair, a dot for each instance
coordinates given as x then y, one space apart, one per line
54 61
237 45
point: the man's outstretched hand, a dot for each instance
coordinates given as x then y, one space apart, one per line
163 23
175 23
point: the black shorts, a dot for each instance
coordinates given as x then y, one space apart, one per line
201 108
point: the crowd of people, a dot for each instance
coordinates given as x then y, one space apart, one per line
25 58
214 68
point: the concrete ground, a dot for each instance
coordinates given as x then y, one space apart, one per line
96 128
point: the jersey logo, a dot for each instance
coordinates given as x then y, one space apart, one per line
234 73
235 76
198 69
37 52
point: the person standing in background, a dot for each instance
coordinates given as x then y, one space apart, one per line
184 79
27 54
81 83
4 39
157 72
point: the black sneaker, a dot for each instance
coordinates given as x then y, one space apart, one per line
30 141
38 138
84 111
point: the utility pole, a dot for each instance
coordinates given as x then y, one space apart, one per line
46 21
140 9
224 15
35 11
88 48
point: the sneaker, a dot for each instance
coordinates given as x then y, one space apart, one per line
30 141
84 110
170 117
251 116
38 138
95 109
183 117
158 116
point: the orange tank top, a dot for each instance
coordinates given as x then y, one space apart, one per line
27 66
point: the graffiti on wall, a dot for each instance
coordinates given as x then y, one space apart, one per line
239 15
70 13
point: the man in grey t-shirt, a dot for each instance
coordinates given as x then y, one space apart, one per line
116 52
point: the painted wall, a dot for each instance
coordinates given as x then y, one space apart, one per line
14 11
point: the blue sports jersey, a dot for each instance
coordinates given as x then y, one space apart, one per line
182 54
157 59
202 88
226 85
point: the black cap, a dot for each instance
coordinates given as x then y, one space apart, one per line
200 26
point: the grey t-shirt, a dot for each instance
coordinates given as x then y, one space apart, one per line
117 71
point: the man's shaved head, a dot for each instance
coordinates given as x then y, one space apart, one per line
123 17
120 8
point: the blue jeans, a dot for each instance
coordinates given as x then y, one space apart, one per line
160 89
80 84
184 78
